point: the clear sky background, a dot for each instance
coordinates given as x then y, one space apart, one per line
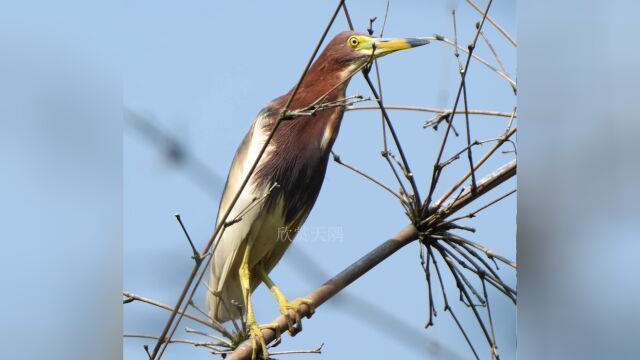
203 69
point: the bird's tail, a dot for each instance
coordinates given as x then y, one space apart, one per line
223 303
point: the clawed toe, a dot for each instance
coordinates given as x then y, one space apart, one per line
296 325
299 301
255 332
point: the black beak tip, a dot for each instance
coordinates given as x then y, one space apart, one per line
415 42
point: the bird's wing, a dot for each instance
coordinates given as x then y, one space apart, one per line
227 253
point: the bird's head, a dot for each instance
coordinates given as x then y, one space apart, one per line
352 50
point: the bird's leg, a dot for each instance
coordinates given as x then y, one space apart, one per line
284 304
254 330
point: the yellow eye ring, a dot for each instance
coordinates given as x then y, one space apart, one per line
353 41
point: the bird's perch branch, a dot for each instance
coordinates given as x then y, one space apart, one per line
335 285
405 236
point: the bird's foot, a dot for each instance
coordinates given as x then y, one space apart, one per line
295 326
257 339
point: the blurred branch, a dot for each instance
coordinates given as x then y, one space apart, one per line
175 151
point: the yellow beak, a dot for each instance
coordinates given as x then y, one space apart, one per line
381 46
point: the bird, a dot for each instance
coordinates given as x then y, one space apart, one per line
286 182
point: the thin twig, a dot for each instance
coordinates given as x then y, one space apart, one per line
474 212
485 250
346 12
456 275
317 350
216 326
436 170
432 110
494 23
195 331
206 344
493 278
460 273
448 308
338 160
196 255
384 21
408 174
318 106
385 152
466 106
493 334
484 62
501 140
495 56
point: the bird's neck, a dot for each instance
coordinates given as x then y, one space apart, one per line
322 83
313 134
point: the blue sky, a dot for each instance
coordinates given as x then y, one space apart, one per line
203 70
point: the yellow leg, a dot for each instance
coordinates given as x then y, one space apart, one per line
254 330
284 304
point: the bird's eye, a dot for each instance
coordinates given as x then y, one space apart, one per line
353 41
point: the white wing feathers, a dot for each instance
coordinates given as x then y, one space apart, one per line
230 244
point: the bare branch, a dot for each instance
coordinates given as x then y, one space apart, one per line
436 169
216 326
466 106
483 186
448 308
474 212
484 62
494 23
338 160
486 251
408 174
206 344
196 255
501 140
433 110
495 56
